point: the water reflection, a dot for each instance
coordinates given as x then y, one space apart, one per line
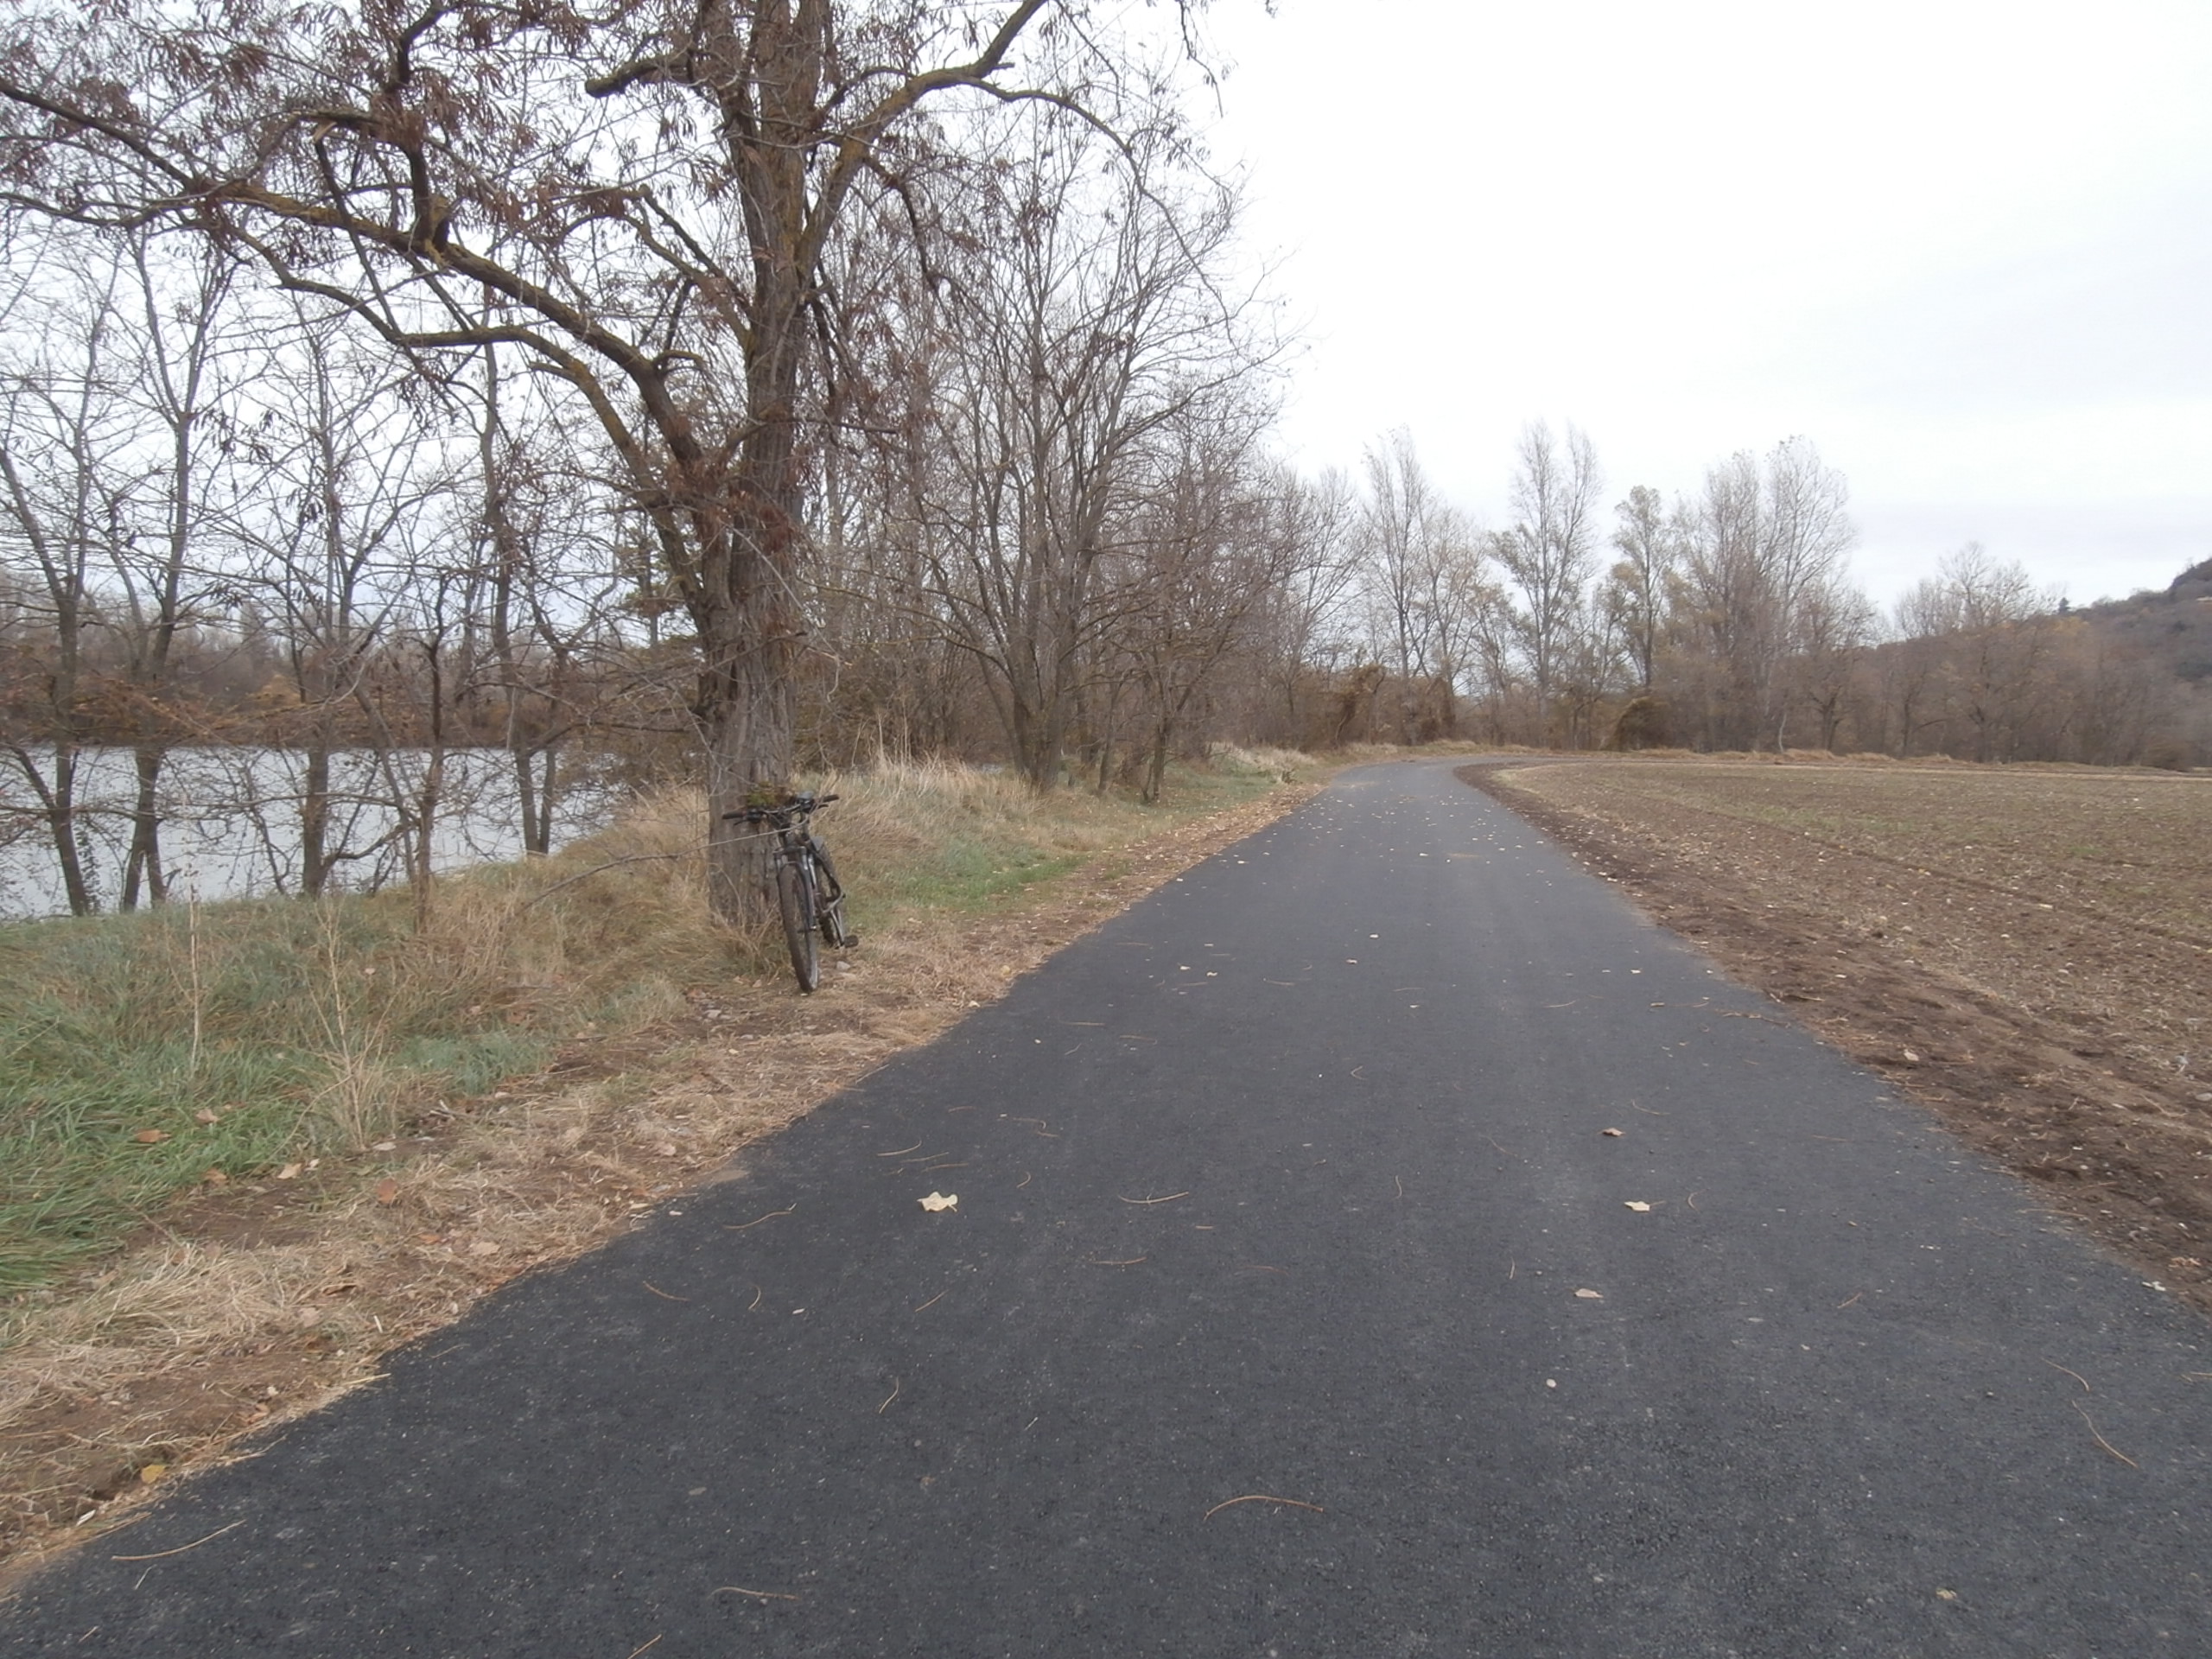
230 821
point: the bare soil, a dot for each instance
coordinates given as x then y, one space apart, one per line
2028 951
260 1301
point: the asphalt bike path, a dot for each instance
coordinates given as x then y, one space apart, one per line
1298 1299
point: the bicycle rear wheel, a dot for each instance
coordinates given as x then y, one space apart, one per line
830 900
795 899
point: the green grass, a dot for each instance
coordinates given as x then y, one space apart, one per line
97 1047
965 876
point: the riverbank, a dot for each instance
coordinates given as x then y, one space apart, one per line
252 1148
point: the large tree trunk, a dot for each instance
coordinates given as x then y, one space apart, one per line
745 709
746 604
749 625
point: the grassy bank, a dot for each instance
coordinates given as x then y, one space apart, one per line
147 1056
354 1128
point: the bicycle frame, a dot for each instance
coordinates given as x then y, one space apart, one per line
808 896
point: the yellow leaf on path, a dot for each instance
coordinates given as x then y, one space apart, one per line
150 1136
937 1201
153 1471
1590 1295
1615 1134
1636 1204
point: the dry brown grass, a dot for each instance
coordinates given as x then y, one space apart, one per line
262 1299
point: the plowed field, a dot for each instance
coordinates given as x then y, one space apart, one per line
2029 952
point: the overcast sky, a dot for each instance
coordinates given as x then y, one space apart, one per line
1965 247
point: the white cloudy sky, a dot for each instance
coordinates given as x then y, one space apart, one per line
1965 246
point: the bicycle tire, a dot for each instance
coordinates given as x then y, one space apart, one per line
795 899
831 909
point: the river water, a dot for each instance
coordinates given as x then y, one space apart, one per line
230 821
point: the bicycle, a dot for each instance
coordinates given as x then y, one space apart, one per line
808 896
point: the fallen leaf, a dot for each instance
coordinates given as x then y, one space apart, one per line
1636 1204
288 1172
937 1201
1615 1134
1911 1059
385 1146
153 1471
1952 1595
207 1115
215 1178
1590 1295
484 1246
387 1191
148 1137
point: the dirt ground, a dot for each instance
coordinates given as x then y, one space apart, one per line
2028 951
255 1304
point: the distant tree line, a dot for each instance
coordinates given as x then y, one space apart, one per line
1727 620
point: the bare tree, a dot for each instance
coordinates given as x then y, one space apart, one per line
1995 629
1836 626
190 358
354 468
1551 547
1650 542
1080 320
1213 543
1424 585
1806 532
70 471
1767 539
542 623
1304 617
648 191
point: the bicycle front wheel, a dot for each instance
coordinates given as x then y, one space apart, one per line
795 899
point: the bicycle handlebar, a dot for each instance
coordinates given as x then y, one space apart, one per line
797 805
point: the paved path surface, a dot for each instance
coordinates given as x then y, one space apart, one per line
1290 1182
